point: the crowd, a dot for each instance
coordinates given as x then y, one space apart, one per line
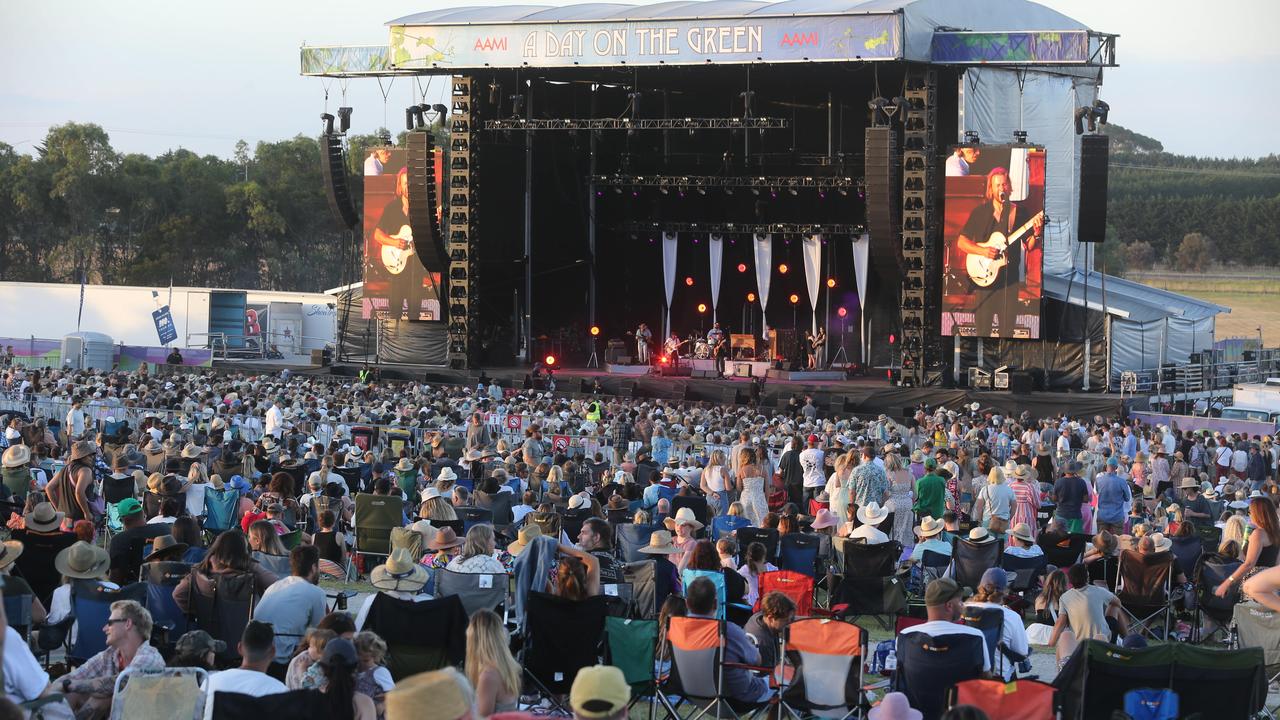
261 486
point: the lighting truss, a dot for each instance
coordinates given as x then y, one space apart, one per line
754 123
746 228
720 182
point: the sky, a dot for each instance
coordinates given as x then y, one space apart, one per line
1198 76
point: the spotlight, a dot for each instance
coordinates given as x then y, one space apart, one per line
841 312
517 102
831 282
793 191
408 118
783 268
440 110
794 298
328 123
550 360
688 281
702 307
702 190
664 360
344 119
742 267
751 297
595 330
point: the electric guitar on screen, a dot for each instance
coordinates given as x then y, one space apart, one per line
395 259
984 271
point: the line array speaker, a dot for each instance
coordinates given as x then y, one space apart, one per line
421 152
881 172
1094 151
333 165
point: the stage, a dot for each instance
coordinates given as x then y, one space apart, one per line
866 396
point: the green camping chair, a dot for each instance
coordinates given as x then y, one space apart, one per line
630 646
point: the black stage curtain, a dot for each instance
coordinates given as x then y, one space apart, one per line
414 343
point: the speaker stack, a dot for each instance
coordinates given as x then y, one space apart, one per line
1094 151
421 154
882 172
333 166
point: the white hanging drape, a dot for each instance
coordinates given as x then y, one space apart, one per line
763 246
812 273
669 248
715 245
861 251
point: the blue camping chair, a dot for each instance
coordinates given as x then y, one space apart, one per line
928 666
220 508
92 605
798 552
633 537
160 578
716 577
727 525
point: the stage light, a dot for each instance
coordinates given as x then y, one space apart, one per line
783 268
702 307
794 298
742 267
841 312
328 123
344 119
664 359
550 360
892 338
831 282
595 330
688 281
751 297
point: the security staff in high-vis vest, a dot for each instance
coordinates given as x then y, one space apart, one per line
593 412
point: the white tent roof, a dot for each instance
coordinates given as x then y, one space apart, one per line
1127 299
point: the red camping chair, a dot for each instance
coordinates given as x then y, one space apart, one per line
1017 700
797 586
829 682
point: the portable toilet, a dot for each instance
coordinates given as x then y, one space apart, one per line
81 350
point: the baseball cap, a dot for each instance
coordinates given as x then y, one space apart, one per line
128 506
996 578
198 642
941 591
1113 461
599 691
930 463
339 651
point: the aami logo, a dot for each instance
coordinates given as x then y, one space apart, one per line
490 43
799 39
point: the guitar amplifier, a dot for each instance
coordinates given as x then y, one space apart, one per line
613 350
1000 381
980 379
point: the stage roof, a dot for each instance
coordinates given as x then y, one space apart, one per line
1127 299
698 32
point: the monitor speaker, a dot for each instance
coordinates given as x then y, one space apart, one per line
421 165
1094 150
333 167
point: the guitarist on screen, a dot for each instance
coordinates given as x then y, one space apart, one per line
998 214
393 238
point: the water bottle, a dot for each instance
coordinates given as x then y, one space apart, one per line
891 661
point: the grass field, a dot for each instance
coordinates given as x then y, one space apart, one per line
1254 302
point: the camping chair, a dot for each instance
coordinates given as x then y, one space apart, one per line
722 525
292 539
221 508
1106 570
571 522
630 647
933 565
160 578
928 666
697 672
870 584
1210 536
716 577
969 560
1256 626
639 575
1027 573
990 621
1211 683
344 572
225 613
1063 554
472 516
1211 570
170 694
420 636
797 586
1145 589
1187 551
768 537
828 683
91 604
631 538
477 591
351 476
292 705
552 657
17 610
375 516
1016 700
500 509
695 503
798 552
618 516
116 489
35 564
550 522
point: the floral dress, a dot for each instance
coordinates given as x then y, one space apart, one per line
901 490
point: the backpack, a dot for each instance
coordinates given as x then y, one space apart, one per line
880 654
1151 704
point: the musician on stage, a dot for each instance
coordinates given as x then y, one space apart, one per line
816 341
643 337
671 348
998 214
716 341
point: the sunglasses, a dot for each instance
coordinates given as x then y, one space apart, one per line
113 621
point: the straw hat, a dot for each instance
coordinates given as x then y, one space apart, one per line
660 544
153 447
405 465
43 518
166 547
1188 484
191 451
83 448
979 534
447 474
445 538
399 573
929 527
435 695
426 530
17 456
1022 532
527 535
1162 543
870 514
582 499
216 482
268 443
82 561
9 552
429 492
683 516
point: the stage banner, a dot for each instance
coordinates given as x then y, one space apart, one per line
992 241
861 251
670 246
397 283
715 244
812 270
763 247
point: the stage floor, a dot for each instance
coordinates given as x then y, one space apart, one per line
862 396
